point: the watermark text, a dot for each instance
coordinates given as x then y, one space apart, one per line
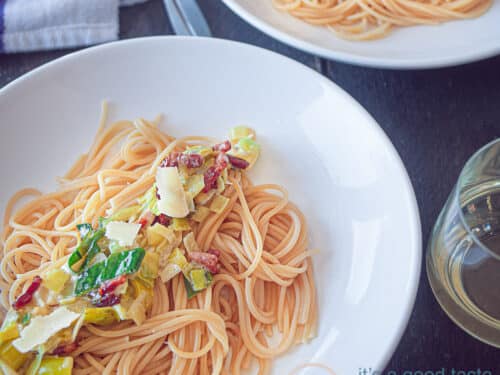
441 371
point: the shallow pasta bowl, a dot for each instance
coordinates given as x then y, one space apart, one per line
337 164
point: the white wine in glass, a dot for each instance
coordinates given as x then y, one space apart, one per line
463 259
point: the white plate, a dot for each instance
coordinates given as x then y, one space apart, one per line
337 164
451 43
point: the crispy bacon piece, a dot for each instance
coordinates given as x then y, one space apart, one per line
188 160
221 162
222 147
109 286
146 219
171 160
191 160
27 296
143 221
238 162
209 261
212 174
104 296
163 220
106 300
65 349
214 252
210 179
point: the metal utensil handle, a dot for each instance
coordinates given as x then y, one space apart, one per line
187 18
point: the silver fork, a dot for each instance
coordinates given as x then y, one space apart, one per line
186 18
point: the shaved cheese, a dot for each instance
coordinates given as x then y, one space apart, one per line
76 328
121 312
42 328
122 232
169 272
190 242
172 200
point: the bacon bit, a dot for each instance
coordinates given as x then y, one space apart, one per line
109 286
171 160
221 162
143 221
104 296
207 260
210 179
146 219
238 162
26 297
107 300
65 349
222 147
188 160
191 160
163 220
104 301
214 252
212 174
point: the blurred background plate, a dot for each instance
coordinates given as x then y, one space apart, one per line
415 47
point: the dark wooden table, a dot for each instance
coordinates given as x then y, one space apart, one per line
435 118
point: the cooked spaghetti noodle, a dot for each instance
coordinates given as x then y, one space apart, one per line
263 293
373 19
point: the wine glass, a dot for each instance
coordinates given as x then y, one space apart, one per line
463 259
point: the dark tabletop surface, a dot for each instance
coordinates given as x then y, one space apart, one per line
436 120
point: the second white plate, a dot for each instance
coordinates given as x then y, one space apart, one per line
417 47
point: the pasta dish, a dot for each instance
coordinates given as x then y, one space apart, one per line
155 255
374 19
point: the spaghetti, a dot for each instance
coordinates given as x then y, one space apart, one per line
373 19
258 303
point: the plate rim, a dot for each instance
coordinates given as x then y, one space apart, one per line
414 221
357 59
